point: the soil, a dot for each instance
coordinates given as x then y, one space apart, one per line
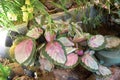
78 73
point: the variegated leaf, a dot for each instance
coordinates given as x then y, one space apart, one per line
65 41
23 49
104 71
50 36
72 59
56 52
45 64
89 61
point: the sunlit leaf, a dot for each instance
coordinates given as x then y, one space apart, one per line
56 52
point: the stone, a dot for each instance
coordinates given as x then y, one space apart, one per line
115 75
64 75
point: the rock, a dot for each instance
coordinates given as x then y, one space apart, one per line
112 42
22 78
71 78
29 73
92 77
11 35
64 75
115 73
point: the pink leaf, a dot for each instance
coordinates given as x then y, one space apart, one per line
23 50
89 61
50 36
56 52
45 64
71 59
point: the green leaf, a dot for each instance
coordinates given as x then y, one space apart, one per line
4 71
60 6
